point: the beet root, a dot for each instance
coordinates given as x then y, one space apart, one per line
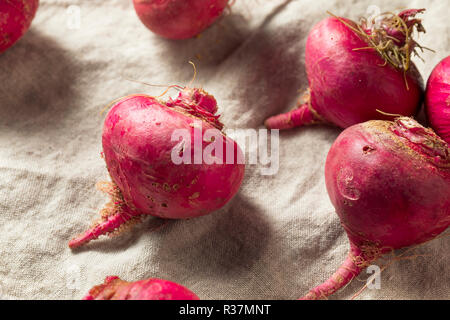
353 76
139 149
15 20
178 19
151 289
437 100
390 185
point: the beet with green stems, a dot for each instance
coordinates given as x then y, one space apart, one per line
358 72
390 185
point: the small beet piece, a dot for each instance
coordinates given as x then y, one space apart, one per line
139 146
15 20
390 185
179 19
437 100
151 289
358 72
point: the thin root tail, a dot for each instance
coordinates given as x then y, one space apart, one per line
109 225
351 268
302 116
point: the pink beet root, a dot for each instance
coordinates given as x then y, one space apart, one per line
142 157
151 289
178 19
15 20
358 73
390 185
438 99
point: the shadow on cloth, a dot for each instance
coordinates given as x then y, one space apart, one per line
210 47
225 244
38 84
218 42
269 81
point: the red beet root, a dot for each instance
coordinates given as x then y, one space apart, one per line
152 289
390 185
438 99
178 19
15 20
141 155
358 73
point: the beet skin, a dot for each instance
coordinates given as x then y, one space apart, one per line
15 20
438 99
179 19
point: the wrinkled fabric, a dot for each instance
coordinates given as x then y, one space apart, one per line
275 240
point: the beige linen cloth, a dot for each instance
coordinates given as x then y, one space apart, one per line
275 240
